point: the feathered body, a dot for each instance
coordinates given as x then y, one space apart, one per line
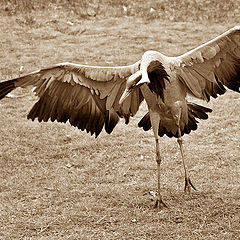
171 104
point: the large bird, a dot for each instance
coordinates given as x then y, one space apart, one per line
93 97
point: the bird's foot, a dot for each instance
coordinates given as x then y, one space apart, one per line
160 204
188 186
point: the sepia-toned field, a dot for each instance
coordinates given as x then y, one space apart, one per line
57 182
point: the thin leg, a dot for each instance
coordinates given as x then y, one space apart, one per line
188 183
155 119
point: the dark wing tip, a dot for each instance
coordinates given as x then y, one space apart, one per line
231 76
6 87
111 121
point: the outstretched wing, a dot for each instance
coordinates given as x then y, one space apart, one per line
206 69
87 96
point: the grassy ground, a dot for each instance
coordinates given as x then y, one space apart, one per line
173 10
57 182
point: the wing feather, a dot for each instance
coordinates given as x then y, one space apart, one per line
126 107
192 82
206 69
87 96
136 100
112 95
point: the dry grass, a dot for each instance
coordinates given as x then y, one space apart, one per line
173 10
57 182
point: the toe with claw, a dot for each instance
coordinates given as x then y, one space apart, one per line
188 185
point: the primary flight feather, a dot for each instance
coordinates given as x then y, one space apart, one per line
93 97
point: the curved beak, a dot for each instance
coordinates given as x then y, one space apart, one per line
125 94
135 80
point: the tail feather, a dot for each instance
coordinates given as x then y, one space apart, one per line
198 111
6 87
145 122
194 111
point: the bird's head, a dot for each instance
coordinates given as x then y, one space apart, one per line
151 72
135 80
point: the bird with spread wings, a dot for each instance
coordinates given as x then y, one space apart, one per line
94 97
